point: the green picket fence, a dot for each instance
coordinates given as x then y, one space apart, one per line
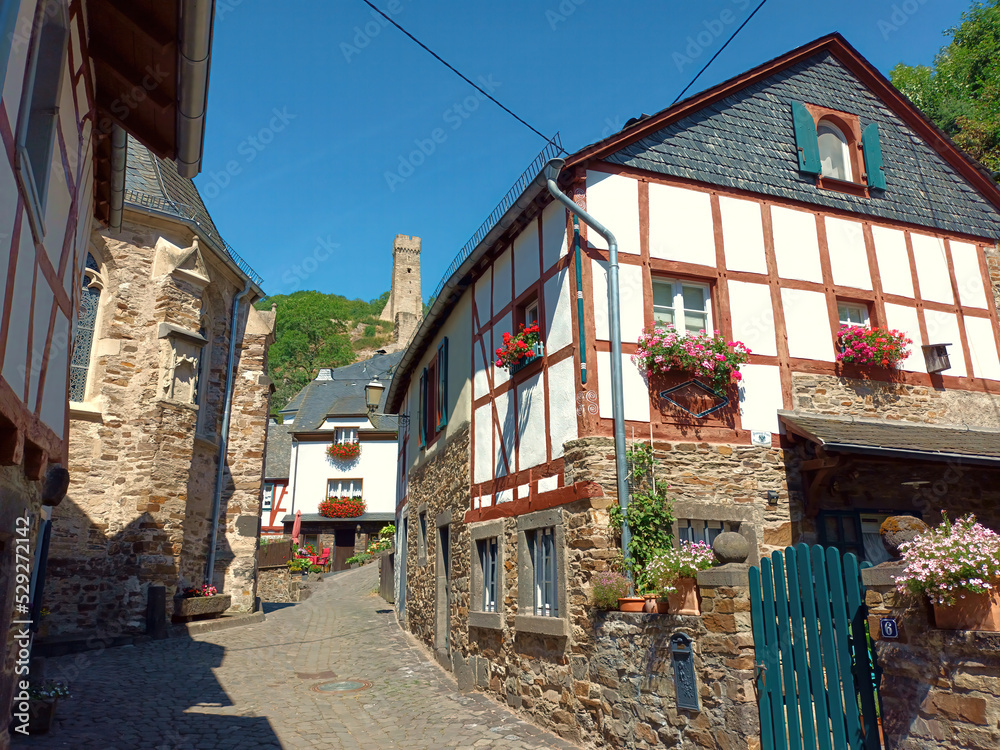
815 666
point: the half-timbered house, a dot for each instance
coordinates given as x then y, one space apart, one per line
75 76
775 207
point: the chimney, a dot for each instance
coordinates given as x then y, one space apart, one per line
325 373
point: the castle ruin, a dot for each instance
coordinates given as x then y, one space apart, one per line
405 307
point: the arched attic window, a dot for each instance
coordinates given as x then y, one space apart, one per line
834 151
86 326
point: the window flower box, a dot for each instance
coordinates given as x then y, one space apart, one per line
704 355
520 349
872 347
344 451
202 607
342 507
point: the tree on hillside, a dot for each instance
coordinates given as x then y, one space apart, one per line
314 330
960 93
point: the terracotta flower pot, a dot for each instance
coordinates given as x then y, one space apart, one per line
973 612
631 603
684 601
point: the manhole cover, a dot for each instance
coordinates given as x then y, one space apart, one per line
344 686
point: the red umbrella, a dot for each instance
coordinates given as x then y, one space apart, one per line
297 527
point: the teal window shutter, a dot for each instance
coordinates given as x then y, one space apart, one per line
805 139
442 384
872 149
422 409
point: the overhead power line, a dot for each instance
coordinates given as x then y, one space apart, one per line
715 55
454 70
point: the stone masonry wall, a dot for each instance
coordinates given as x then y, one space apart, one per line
139 508
276 585
939 688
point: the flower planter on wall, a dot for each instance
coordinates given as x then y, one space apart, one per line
631 603
201 606
684 601
973 612
537 351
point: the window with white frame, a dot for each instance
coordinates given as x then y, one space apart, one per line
543 558
684 304
531 313
343 488
834 151
852 314
342 435
488 556
268 500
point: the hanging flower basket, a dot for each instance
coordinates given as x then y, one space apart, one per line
342 507
703 355
520 349
344 451
873 347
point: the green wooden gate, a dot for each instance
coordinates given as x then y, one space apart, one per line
814 663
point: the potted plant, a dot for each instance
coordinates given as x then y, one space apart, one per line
42 701
342 507
200 601
672 572
519 349
609 589
957 566
704 355
299 565
344 451
872 347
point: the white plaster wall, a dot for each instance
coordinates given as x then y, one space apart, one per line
505 405
558 312
760 397
483 470
17 61
501 281
983 347
484 297
526 262
893 261
634 387
796 245
500 375
942 328
554 242
932 269
505 496
848 255
54 398
905 319
630 297
531 423
562 404
41 313
971 289
480 379
548 483
753 316
16 355
614 201
743 235
807 324
680 225
376 467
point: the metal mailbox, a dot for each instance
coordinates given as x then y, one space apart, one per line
685 681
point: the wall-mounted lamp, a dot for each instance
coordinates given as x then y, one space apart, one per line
373 394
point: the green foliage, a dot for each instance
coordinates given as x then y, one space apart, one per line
428 304
313 331
607 588
650 515
960 93
388 531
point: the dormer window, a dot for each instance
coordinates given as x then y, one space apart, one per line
834 156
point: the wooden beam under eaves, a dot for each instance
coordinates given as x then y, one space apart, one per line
140 23
133 81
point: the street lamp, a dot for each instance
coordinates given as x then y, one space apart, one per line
373 394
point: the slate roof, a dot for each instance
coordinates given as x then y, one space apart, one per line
279 451
344 395
153 183
904 439
746 141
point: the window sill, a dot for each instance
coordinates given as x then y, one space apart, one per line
85 410
552 626
842 186
486 620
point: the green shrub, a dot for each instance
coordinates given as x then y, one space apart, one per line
607 588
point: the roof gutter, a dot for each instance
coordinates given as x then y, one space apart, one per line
194 61
454 287
119 153
939 456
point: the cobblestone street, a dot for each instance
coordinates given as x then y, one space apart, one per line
250 687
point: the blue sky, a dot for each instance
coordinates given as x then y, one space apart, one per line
315 114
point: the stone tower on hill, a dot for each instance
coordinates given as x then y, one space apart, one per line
405 307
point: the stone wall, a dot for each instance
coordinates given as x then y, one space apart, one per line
276 585
939 688
142 463
876 399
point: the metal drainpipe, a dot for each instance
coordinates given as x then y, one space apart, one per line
579 300
119 154
224 436
552 169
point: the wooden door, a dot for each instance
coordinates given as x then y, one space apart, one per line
343 548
